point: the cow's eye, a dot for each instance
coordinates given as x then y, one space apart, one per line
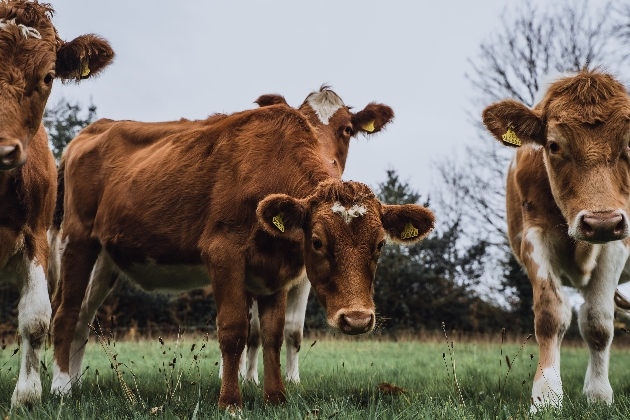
48 78
380 245
349 131
554 147
317 244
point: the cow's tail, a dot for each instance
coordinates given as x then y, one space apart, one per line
622 304
54 240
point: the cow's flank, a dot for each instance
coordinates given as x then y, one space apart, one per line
568 195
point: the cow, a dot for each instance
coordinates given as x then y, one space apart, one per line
31 56
568 192
335 125
244 202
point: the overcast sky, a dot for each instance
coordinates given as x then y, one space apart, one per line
194 58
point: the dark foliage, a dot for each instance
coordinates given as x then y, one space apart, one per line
63 121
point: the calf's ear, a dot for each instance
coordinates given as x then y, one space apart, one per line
83 57
513 124
408 223
271 99
282 216
372 119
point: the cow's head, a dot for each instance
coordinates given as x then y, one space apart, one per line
335 124
32 56
343 227
583 126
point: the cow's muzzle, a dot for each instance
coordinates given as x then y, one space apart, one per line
601 227
356 322
12 154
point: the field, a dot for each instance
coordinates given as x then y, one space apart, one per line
340 380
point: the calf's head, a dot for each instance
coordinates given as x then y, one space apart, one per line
343 227
335 123
583 126
32 56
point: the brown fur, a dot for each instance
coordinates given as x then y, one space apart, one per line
574 159
27 166
193 192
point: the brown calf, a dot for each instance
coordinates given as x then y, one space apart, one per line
568 192
244 201
335 125
31 56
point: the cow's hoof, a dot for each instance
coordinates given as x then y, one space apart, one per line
230 402
598 393
26 395
275 397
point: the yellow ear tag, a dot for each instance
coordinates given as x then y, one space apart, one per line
511 137
409 232
85 72
277 220
369 127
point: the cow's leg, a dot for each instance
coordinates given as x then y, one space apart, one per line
228 284
253 344
596 320
99 287
552 316
34 320
77 262
272 310
294 326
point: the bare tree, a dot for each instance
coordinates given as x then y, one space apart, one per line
529 45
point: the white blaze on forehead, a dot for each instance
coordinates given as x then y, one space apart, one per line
348 214
325 104
25 30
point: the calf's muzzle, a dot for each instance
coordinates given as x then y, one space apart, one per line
11 154
356 322
603 226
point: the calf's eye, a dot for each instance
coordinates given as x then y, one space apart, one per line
349 131
380 245
48 79
554 147
317 244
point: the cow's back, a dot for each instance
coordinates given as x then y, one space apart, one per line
153 189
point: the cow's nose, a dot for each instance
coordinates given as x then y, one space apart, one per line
356 322
604 227
11 155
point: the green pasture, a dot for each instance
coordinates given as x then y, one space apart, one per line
340 379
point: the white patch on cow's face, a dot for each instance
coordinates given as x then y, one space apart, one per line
26 31
349 214
325 104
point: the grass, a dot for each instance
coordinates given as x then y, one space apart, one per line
340 380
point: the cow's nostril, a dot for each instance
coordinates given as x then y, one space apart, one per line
621 226
586 228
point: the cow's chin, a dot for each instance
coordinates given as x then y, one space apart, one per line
353 321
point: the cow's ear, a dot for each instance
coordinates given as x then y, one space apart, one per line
512 123
373 118
282 215
408 223
83 57
271 99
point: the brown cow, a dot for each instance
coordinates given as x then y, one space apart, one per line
568 192
245 200
335 125
31 56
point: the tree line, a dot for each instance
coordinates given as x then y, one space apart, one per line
463 274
